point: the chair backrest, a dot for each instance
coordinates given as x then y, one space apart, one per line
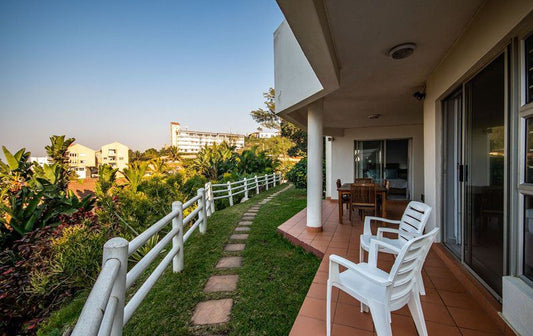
414 219
363 194
363 180
339 184
403 274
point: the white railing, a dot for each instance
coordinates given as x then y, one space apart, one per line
105 312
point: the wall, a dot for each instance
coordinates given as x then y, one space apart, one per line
294 78
342 154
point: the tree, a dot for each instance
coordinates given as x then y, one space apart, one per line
158 166
173 154
106 179
58 153
135 173
268 118
213 161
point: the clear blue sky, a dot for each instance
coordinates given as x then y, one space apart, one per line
102 71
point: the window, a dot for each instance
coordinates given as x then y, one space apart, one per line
528 44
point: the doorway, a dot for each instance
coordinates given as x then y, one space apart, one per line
474 173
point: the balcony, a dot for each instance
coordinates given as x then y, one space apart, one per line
452 304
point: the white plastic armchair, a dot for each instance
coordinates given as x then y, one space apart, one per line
379 291
411 225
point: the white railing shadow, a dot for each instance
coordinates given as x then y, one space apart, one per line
105 312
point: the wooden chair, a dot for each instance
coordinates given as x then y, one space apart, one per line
345 196
363 199
363 180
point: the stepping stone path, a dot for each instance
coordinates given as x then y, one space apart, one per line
212 312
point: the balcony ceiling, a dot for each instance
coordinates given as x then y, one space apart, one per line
371 82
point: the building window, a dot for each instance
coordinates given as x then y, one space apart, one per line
528 237
529 68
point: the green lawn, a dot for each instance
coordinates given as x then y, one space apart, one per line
273 280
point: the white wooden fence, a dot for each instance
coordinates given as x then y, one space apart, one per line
105 312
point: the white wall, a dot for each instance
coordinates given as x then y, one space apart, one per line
294 78
342 154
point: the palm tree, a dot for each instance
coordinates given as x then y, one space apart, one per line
58 153
158 166
213 161
173 154
106 179
135 173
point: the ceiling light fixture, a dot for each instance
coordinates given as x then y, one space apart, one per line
402 51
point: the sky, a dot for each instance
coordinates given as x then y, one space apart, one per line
104 71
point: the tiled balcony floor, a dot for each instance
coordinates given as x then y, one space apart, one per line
448 307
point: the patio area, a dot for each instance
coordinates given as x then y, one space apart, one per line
449 306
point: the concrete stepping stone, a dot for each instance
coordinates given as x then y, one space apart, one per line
247 218
229 262
254 211
212 312
234 247
245 223
242 229
239 236
221 283
250 214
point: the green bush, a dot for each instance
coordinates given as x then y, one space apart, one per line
298 174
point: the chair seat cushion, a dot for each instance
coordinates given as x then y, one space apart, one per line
365 243
361 287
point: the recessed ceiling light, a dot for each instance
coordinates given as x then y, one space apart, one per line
374 116
402 51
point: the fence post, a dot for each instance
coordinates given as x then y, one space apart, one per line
245 190
274 176
256 184
211 198
117 248
207 204
230 196
202 215
266 181
177 240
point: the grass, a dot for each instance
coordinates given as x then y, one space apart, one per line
274 274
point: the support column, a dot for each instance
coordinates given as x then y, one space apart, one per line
314 166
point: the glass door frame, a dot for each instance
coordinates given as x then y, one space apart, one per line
508 122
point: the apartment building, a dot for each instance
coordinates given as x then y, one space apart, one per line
114 154
266 134
41 160
82 160
188 141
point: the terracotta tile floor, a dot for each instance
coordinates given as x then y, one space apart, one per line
448 307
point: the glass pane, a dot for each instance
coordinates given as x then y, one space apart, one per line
369 160
397 168
529 69
529 151
452 112
485 159
528 236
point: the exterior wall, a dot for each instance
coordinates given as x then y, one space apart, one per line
81 159
294 77
340 151
193 141
41 160
115 154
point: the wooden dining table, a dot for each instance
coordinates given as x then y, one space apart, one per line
346 188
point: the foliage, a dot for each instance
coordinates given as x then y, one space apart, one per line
106 179
268 118
58 153
298 174
158 166
275 147
135 173
213 161
252 161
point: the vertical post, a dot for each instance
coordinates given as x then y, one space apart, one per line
230 196
202 215
256 184
314 166
177 240
266 181
274 177
245 189
207 204
117 248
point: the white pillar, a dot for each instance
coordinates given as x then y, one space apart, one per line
314 166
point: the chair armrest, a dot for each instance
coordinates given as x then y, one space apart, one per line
335 261
367 229
397 231
373 251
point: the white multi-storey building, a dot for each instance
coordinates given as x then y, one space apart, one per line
188 141
266 134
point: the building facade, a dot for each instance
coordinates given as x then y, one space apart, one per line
266 134
41 160
449 84
82 160
188 141
114 154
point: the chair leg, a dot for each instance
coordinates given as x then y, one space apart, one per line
415 307
420 283
381 317
328 310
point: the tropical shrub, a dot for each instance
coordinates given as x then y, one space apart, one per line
298 174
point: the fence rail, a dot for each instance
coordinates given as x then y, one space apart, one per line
105 312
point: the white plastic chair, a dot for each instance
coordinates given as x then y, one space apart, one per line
412 224
380 291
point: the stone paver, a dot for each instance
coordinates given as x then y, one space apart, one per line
248 218
239 236
221 283
213 311
229 262
234 247
250 214
245 223
252 211
242 229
